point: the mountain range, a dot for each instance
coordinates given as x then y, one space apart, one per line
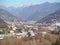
32 12
35 12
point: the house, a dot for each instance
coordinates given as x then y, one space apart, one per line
31 32
31 26
1 36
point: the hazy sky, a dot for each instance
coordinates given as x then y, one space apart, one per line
24 2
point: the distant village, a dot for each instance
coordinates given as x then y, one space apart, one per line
21 29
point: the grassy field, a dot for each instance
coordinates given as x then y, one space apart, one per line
48 40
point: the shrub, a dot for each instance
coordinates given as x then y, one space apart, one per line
57 42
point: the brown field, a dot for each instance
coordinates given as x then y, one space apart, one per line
48 40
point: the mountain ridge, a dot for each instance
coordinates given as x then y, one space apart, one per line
51 18
6 16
